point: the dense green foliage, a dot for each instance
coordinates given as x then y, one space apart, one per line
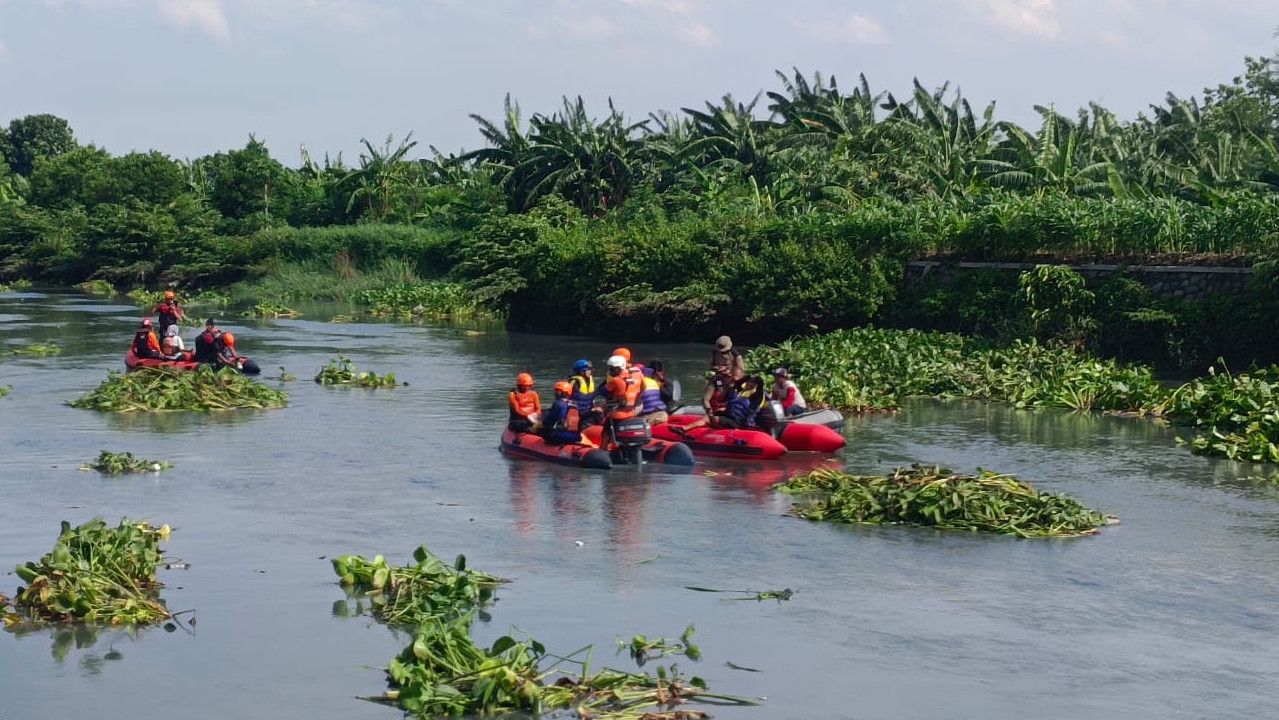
114 463
412 594
94 574
1235 416
162 389
868 369
937 497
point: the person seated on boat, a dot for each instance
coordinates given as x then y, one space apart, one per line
668 387
226 354
584 393
145 344
786 392
206 350
525 405
631 365
170 351
168 312
561 423
653 396
729 406
622 391
174 334
727 360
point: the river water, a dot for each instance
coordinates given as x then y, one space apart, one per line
1170 614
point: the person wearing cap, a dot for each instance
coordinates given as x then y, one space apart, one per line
168 312
786 392
525 405
727 360
561 423
622 391
145 343
206 349
583 393
729 406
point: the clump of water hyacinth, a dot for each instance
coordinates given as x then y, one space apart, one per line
162 388
409 594
1234 415
94 574
113 463
269 310
36 350
938 497
342 371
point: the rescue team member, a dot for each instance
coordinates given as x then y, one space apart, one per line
226 355
622 389
561 424
145 344
526 406
169 312
787 393
729 406
654 395
668 390
727 360
583 393
637 373
206 349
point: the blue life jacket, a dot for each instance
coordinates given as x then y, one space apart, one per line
741 410
583 392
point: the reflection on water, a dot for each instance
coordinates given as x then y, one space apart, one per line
1170 614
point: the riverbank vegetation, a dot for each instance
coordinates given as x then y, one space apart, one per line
444 673
164 389
94 574
114 463
937 497
798 207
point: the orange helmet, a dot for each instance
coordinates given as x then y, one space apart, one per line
228 339
563 386
624 352
524 380
169 295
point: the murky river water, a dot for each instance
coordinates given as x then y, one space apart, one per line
1171 614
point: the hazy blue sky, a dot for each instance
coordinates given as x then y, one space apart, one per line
193 76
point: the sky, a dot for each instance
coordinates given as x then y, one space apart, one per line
191 77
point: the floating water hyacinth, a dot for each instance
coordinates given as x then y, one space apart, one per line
937 497
162 389
112 463
341 371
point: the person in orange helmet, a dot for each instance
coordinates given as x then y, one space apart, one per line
525 405
561 424
622 389
145 343
168 312
637 373
226 354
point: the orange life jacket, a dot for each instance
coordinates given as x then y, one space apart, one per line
524 404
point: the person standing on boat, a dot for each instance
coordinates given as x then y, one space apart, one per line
561 422
145 344
727 360
168 312
787 393
525 405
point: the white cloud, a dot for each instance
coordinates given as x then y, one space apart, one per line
857 29
1025 17
680 16
203 15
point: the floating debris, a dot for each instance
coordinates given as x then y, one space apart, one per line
937 497
95 574
111 463
163 389
341 371
268 310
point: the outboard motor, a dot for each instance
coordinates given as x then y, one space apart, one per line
631 435
769 419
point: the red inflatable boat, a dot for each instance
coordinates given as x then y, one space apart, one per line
717 443
663 451
793 436
133 362
528 446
